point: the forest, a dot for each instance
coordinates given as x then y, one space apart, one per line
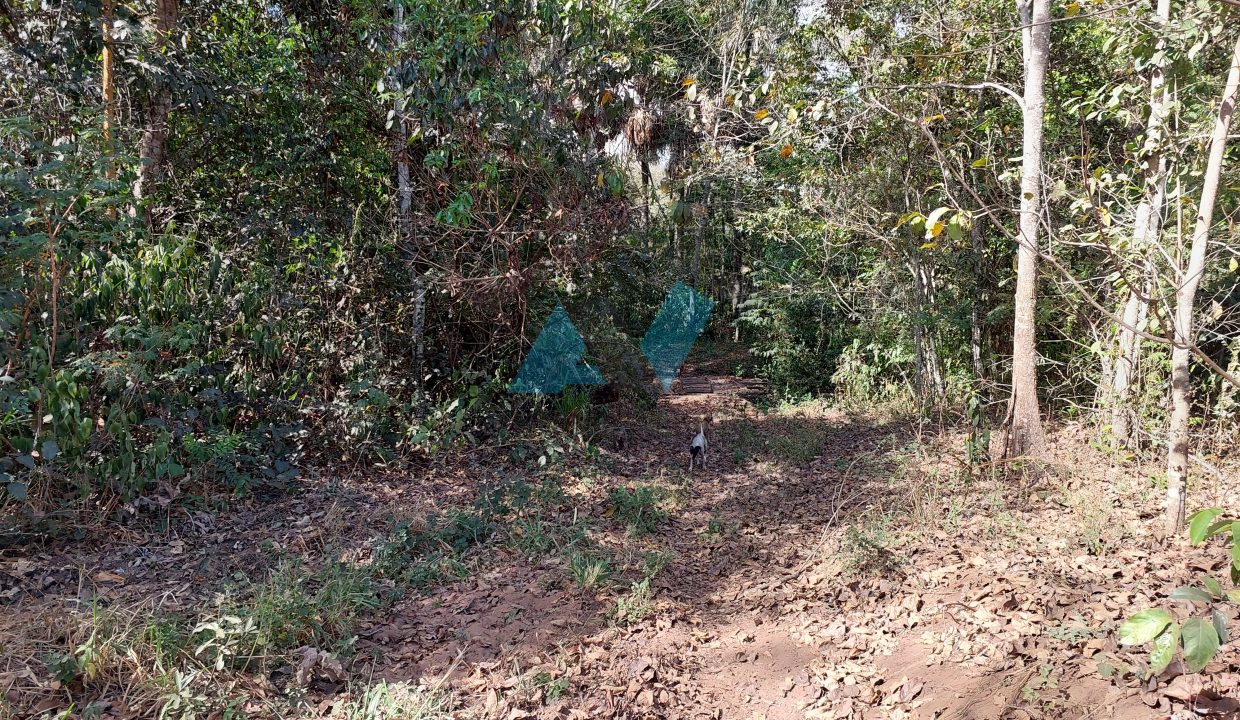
501 359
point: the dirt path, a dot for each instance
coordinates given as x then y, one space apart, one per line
774 610
823 566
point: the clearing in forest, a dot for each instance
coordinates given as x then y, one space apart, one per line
828 564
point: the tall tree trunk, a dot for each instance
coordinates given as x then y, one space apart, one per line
1025 434
738 280
1185 298
155 129
645 168
1128 355
405 241
931 390
975 314
1147 224
109 95
699 238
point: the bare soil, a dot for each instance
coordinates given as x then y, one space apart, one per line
826 564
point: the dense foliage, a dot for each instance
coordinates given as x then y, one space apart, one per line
279 233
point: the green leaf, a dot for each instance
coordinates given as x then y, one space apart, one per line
1191 594
1200 643
1199 523
980 163
1144 626
50 450
17 490
1164 647
1235 545
1215 588
1234 595
1219 620
908 217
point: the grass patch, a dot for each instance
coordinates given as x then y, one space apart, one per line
638 508
868 547
396 701
634 606
588 571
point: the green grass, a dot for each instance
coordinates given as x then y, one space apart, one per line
396 701
638 508
634 606
589 572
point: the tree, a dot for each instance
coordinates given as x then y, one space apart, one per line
1147 224
406 243
1185 298
1025 434
108 86
157 110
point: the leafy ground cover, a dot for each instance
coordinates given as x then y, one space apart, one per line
828 565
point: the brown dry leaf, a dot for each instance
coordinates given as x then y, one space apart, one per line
1211 706
1184 687
317 664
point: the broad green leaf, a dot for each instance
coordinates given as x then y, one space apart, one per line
17 490
1234 595
984 162
1219 620
1199 523
1191 594
1164 647
908 217
1200 643
1215 588
50 450
1144 626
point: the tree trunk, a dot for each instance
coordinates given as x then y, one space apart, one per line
699 238
405 241
646 182
738 280
1128 355
1147 224
155 130
109 96
975 314
1025 434
931 390
1185 297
